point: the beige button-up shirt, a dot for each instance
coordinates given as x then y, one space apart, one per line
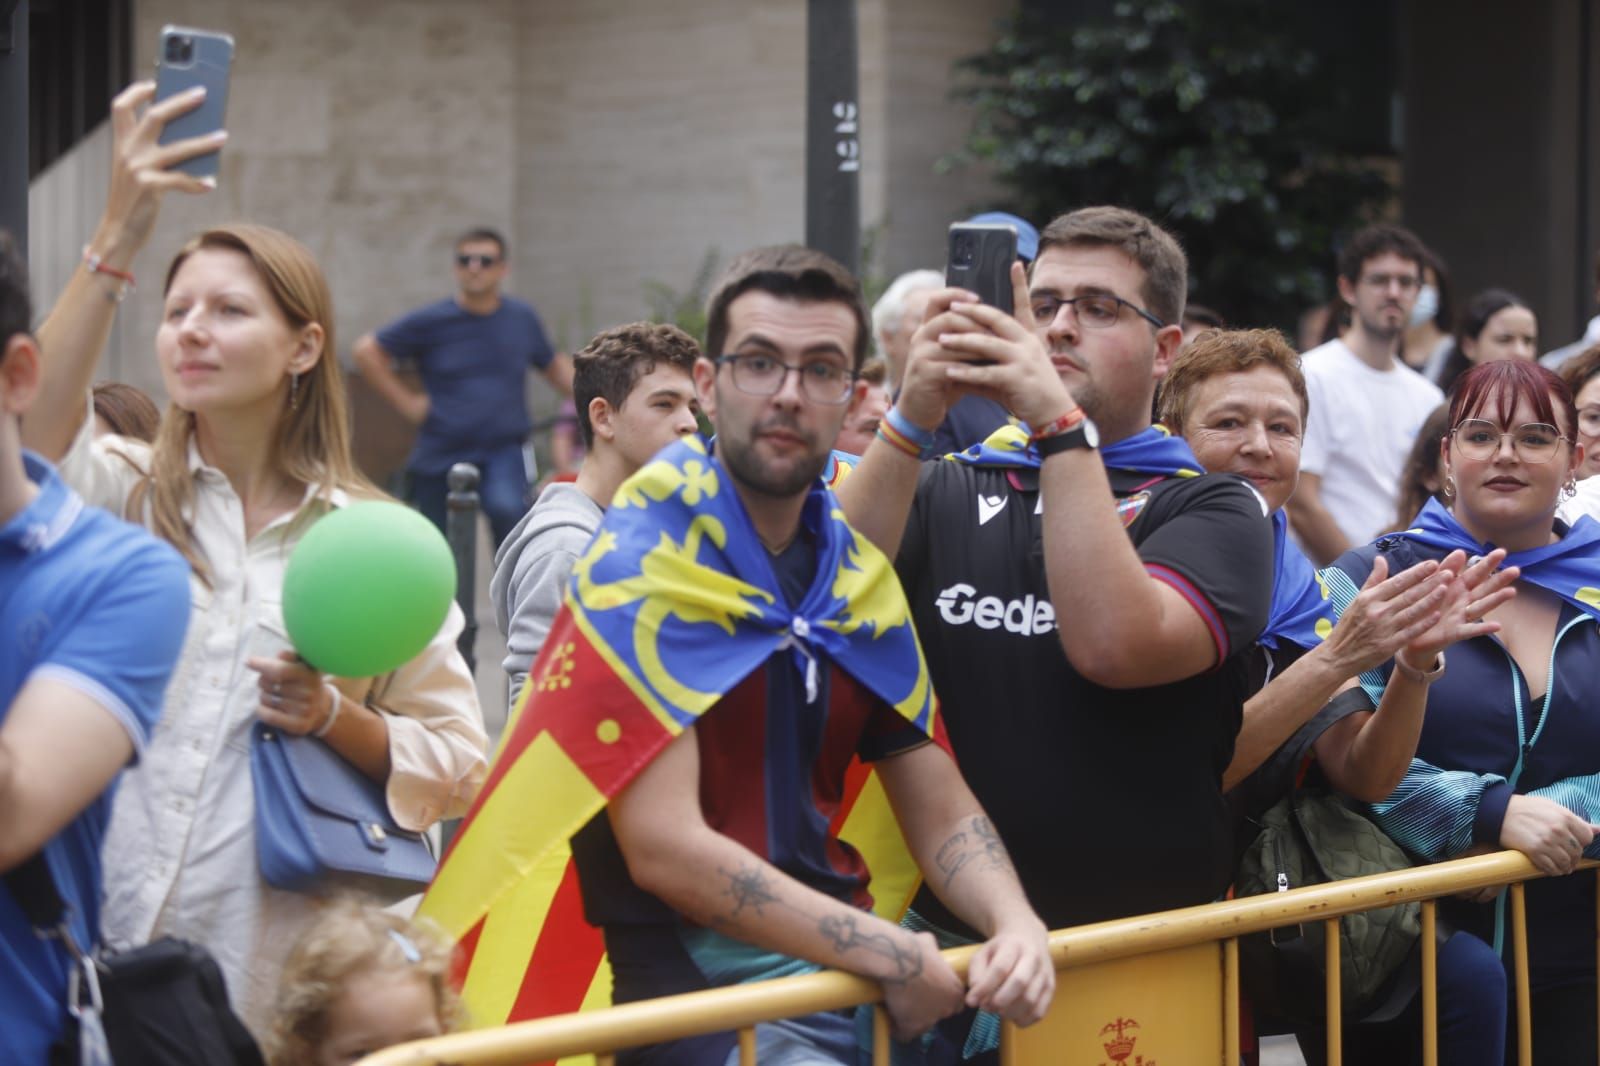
180 855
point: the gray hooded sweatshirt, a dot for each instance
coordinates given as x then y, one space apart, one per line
531 571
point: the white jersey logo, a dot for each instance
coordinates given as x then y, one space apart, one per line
1025 617
988 507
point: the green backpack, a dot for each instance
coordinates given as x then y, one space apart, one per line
1312 837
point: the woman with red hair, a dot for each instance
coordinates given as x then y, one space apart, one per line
1510 745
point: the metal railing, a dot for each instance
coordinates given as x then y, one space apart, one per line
1171 939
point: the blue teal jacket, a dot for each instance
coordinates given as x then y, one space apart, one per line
1486 738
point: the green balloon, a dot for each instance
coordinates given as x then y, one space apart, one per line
367 588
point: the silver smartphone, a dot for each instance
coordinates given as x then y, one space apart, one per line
190 57
979 261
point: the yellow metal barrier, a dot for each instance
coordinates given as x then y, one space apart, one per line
1165 983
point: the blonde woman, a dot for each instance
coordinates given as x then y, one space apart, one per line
253 448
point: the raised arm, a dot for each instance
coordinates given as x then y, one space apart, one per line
1387 614
877 495
967 866
1366 755
713 880
74 333
1124 624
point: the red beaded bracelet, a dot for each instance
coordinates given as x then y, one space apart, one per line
95 265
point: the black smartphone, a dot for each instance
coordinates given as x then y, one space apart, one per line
979 261
191 57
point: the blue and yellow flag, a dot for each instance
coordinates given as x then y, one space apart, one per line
674 603
1153 450
1301 611
1568 567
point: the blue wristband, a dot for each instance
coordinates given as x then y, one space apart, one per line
921 438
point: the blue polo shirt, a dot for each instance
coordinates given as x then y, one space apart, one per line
475 369
92 602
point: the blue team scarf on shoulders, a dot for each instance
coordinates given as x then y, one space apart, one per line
1301 611
1570 567
1153 450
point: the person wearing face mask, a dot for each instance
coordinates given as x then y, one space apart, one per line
1495 324
1365 405
1432 316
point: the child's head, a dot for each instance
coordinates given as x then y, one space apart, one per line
359 980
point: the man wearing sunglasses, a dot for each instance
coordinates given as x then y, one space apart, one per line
473 351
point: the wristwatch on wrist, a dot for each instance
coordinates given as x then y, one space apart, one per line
1083 435
1411 673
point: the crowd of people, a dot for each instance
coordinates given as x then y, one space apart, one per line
1082 588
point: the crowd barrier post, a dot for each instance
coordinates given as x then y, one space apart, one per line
461 530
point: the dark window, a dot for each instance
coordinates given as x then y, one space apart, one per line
79 56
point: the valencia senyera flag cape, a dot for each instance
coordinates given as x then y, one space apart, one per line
674 603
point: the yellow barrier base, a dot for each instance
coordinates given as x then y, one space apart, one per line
1164 1009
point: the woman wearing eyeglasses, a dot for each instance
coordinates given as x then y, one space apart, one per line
1509 755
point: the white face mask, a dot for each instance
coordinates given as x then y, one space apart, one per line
1427 305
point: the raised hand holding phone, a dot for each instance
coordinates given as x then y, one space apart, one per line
195 59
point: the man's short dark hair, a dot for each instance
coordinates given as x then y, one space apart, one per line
1157 252
791 272
612 364
16 309
483 233
1373 241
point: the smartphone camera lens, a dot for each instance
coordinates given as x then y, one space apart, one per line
180 51
961 250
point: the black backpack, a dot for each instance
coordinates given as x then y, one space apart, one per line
1312 837
163 1004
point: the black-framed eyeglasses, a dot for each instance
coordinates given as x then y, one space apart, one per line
821 380
468 260
1095 310
1534 442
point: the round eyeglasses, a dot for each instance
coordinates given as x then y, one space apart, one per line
821 380
1533 442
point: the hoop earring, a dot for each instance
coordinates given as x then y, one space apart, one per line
294 391
1570 489
1449 487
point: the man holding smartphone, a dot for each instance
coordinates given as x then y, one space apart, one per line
1083 593
473 351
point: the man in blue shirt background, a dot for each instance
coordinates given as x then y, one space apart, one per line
92 618
473 351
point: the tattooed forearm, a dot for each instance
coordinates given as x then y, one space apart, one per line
846 935
748 887
978 843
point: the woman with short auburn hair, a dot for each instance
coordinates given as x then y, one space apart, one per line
1239 400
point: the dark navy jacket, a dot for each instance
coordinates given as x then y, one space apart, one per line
1484 739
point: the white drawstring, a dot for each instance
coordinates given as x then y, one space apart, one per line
797 638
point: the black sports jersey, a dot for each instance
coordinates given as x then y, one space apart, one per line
1109 800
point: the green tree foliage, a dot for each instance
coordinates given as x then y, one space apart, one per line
1215 117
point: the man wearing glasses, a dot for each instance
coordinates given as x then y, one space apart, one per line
1366 405
473 351
719 862
1084 595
